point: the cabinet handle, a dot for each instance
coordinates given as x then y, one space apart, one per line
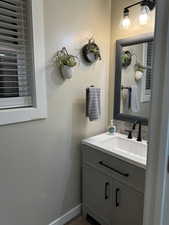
117 197
106 191
114 170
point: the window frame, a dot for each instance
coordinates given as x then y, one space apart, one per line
145 94
39 108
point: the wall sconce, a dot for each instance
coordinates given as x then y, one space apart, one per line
126 20
146 7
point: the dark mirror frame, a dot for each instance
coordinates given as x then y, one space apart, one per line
117 94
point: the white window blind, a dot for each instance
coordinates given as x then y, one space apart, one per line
147 78
15 55
149 64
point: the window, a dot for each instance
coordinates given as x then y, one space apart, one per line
22 79
147 78
16 64
149 65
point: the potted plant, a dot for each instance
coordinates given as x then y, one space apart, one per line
91 52
126 58
65 62
139 71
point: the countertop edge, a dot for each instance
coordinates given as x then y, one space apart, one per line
128 160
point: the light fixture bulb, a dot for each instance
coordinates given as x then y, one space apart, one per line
126 22
143 18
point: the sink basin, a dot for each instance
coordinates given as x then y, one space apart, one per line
127 145
120 146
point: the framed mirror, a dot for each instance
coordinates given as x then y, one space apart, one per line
134 57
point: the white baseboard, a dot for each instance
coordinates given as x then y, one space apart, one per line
67 216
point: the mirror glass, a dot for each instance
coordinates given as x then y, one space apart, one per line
136 79
133 78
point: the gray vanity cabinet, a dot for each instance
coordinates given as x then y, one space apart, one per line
98 194
128 205
113 190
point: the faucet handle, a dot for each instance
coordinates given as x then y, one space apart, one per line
129 134
134 124
139 138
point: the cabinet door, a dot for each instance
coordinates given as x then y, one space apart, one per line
97 194
128 205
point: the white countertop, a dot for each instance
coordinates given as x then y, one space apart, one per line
135 154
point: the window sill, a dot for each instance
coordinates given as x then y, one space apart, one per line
17 115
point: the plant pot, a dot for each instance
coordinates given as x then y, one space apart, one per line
66 72
90 56
139 75
126 59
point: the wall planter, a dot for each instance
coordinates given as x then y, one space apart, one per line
66 63
126 59
91 52
66 71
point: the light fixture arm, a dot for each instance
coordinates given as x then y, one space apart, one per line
130 6
149 3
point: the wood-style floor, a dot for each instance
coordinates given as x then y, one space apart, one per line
78 221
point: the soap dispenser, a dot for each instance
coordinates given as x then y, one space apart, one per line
112 128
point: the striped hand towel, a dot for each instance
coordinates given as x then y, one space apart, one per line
93 103
135 102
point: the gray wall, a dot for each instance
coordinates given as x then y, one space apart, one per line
40 160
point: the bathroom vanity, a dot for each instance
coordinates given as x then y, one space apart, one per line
114 179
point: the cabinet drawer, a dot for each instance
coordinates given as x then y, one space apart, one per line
119 169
